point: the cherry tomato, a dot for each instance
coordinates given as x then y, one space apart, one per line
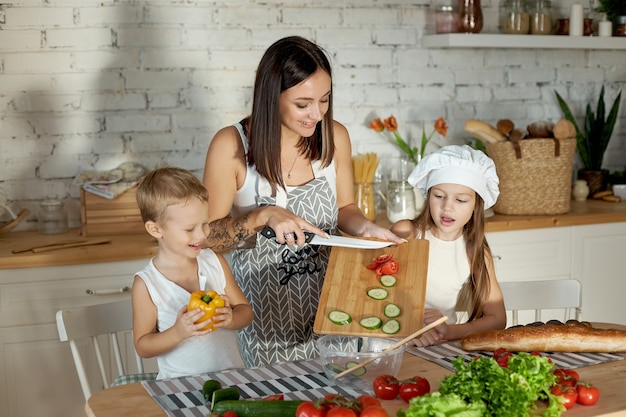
415 387
229 414
308 409
373 411
587 394
566 377
388 268
498 352
364 401
341 412
275 397
503 360
569 395
386 387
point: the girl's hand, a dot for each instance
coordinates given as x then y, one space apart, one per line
433 336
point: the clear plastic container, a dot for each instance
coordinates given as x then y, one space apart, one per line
52 216
515 18
540 12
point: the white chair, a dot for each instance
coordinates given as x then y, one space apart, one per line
542 295
97 322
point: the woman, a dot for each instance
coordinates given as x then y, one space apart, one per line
287 166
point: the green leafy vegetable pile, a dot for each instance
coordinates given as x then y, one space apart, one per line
510 391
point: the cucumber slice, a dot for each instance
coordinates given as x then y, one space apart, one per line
359 372
371 323
391 327
388 280
339 317
392 310
378 293
334 368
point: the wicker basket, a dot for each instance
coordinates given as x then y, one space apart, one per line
535 175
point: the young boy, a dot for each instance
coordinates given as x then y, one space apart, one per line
175 210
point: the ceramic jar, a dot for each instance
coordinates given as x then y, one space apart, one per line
580 190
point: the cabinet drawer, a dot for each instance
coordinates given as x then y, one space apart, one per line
532 254
33 296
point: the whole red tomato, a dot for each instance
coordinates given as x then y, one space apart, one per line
373 411
415 387
341 412
364 401
229 414
569 394
386 387
308 409
566 377
587 394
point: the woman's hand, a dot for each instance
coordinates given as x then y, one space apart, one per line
289 228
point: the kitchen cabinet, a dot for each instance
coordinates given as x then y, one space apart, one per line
38 376
495 40
592 254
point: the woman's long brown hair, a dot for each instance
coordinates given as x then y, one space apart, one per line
476 289
286 63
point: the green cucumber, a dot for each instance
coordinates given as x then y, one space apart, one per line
339 317
209 388
258 408
371 323
388 280
224 394
377 293
391 326
392 310
358 372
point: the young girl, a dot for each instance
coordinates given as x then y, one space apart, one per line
459 183
175 209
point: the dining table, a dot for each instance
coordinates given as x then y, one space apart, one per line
133 399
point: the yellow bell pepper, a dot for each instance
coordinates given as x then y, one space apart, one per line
207 301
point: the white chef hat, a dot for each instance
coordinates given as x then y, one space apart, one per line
454 164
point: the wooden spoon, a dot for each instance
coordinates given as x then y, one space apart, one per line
392 347
7 227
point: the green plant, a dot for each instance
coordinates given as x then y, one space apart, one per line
612 8
591 143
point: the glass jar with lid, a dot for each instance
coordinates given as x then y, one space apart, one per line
515 19
401 202
52 216
540 12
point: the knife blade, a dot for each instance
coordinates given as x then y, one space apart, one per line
346 242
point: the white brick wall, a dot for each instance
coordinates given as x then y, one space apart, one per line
91 85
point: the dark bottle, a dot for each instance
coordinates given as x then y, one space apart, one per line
470 16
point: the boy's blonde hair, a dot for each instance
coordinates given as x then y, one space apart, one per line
164 187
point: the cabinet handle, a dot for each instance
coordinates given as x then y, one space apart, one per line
108 292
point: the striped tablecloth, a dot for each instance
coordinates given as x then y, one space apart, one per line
302 380
445 353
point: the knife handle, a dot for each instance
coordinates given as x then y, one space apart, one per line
269 233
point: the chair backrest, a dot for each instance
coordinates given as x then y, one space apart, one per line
557 294
97 322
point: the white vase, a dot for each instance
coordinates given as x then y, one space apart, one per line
580 190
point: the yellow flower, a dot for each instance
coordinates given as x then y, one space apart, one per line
389 128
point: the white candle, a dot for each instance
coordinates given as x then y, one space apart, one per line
605 28
576 20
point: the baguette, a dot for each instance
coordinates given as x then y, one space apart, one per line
484 131
548 338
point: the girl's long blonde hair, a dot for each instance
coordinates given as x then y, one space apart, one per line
476 289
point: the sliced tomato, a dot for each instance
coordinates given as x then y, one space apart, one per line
388 268
379 260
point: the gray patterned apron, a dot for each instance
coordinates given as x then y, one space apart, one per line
283 286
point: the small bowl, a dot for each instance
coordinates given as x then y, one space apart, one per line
337 353
620 190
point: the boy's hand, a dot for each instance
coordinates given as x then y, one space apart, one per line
224 315
186 323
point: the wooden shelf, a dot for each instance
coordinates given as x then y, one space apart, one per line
480 40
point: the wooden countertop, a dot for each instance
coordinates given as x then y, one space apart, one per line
134 400
120 248
142 246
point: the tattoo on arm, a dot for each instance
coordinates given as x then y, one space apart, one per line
228 233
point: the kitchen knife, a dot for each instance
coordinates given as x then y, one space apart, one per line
346 242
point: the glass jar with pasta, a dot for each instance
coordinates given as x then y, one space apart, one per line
515 19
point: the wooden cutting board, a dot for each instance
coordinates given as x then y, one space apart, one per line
347 281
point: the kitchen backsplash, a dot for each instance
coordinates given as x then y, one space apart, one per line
89 85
